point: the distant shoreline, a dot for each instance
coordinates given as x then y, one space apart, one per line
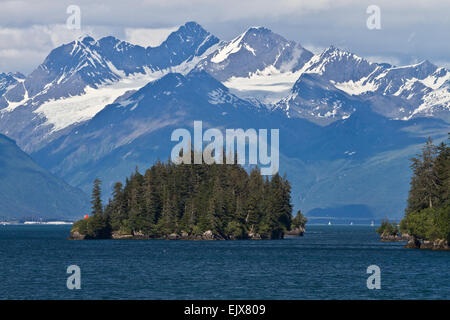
33 223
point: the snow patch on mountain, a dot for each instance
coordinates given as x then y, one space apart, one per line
13 105
437 79
267 86
227 49
433 101
220 96
61 113
337 76
356 87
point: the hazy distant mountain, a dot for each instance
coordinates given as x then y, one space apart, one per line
28 191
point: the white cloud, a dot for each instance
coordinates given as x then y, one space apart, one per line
22 60
23 49
314 49
30 29
148 36
394 61
445 64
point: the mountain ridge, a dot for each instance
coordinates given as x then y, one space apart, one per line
29 192
136 132
78 79
102 107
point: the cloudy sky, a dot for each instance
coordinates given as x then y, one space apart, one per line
411 31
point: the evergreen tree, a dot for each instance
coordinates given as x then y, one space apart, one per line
168 223
424 188
254 205
442 174
98 225
117 207
193 198
299 221
428 212
96 200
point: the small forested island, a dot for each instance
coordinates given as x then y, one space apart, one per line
426 224
193 202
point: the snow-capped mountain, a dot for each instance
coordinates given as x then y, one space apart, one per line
136 130
333 84
415 90
7 82
356 161
70 68
258 64
98 108
80 78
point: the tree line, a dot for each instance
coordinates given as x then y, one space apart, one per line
427 215
193 199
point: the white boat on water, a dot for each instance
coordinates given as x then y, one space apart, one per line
351 223
329 223
372 224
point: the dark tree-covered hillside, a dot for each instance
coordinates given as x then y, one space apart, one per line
193 201
428 212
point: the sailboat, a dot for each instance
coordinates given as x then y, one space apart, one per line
351 223
329 223
372 224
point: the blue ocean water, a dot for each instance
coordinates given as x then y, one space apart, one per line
329 262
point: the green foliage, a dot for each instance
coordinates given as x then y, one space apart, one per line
278 215
97 226
428 212
299 221
80 226
235 230
429 224
94 227
195 198
442 172
387 228
96 200
403 228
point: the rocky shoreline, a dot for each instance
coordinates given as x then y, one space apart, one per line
393 238
437 244
297 232
415 243
207 235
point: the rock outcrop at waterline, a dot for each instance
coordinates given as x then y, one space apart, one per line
193 202
75 235
437 244
427 216
386 237
207 235
415 243
297 232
